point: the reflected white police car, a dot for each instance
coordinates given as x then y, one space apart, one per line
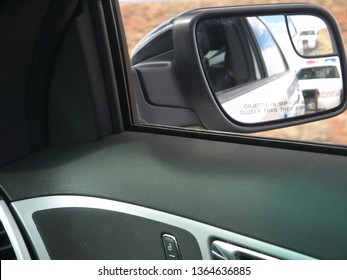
321 85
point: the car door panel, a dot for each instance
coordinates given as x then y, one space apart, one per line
289 198
130 232
72 187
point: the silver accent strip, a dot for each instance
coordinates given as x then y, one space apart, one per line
202 232
13 232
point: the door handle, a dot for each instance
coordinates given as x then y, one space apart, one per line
225 251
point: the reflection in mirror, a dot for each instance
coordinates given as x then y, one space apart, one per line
310 35
256 74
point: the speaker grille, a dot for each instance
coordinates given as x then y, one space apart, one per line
85 233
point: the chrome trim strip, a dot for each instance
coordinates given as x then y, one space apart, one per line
202 232
13 232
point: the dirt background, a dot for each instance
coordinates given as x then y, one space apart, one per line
141 17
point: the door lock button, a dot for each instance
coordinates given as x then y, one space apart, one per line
171 247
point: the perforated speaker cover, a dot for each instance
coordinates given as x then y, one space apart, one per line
85 233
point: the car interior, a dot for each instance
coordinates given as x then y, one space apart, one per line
80 179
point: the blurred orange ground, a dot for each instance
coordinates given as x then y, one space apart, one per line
141 17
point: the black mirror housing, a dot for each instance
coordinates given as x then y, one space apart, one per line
173 86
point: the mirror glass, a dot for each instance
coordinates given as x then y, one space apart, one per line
310 35
263 69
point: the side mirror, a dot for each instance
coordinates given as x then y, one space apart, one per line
242 69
